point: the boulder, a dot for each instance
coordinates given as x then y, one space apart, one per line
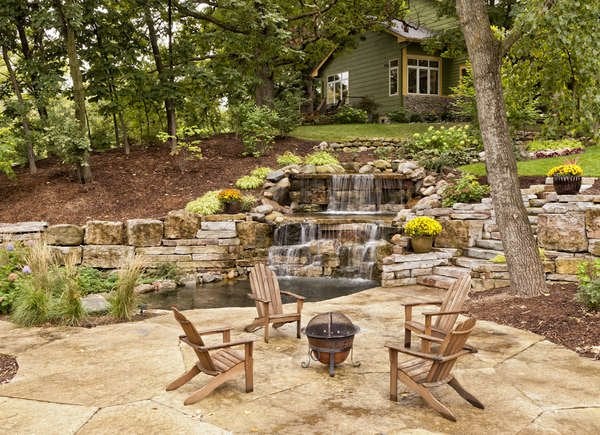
64 235
263 208
95 303
592 222
382 164
433 201
144 232
254 234
568 265
275 176
280 193
407 168
365 169
104 233
459 233
106 256
308 169
594 247
180 224
429 181
562 232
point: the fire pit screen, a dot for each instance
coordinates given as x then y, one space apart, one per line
330 338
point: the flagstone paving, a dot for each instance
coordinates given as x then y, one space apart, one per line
111 379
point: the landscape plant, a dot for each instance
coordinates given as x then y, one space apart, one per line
466 189
588 274
227 196
351 115
261 172
67 307
122 303
207 204
566 169
257 128
249 182
12 260
422 226
247 202
319 158
289 158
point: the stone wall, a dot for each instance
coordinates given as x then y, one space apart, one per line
211 247
567 228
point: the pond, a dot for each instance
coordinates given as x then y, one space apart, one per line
235 293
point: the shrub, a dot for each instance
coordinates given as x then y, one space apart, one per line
163 271
207 204
289 158
588 274
249 182
443 138
32 305
401 115
261 172
288 113
319 158
422 226
466 189
257 128
12 259
351 115
385 152
543 145
122 303
68 308
92 280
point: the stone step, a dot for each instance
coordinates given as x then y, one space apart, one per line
490 244
438 281
479 265
450 271
485 254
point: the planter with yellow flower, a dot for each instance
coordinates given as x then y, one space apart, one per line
566 178
231 200
422 231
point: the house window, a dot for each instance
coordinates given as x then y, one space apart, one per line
423 76
394 77
464 71
337 88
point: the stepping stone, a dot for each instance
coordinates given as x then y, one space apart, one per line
485 254
451 271
437 281
490 244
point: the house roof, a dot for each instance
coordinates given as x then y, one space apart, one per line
403 31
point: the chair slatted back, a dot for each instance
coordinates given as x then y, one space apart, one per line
454 300
453 343
204 359
264 285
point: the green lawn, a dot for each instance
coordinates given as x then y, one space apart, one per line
589 161
343 132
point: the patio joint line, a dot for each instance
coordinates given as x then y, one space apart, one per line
88 420
519 352
565 408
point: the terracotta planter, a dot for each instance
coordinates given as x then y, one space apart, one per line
232 207
421 244
566 184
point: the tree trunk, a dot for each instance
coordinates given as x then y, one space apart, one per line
124 133
83 167
520 247
23 114
265 89
164 82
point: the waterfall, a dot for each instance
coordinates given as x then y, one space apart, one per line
313 249
352 193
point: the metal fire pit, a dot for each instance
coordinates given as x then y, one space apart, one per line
330 338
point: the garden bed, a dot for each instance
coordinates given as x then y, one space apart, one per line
557 316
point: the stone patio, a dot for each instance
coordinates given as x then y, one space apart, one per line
111 379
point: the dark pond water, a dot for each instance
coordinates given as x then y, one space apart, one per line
234 293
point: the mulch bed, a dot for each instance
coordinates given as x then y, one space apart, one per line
557 316
8 367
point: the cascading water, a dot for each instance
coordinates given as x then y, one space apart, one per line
313 249
352 193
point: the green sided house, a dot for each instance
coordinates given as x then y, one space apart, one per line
391 68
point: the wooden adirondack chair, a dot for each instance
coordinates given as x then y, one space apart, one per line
430 370
450 308
224 364
267 295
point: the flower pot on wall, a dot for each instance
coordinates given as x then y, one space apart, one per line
421 244
232 207
566 184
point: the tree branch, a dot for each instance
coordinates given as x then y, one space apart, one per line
314 13
517 32
185 11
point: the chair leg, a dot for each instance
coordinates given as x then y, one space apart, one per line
407 337
253 326
187 376
212 384
298 329
266 326
249 368
465 394
426 396
393 375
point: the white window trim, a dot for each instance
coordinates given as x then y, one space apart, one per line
334 81
398 78
438 69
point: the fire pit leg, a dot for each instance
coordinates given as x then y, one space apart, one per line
306 364
354 363
331 364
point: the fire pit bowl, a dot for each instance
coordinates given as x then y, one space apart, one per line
330 339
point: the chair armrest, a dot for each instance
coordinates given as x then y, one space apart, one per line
216 330
428 337
216 346
294 295
251 296
414 304
444 313
455 355
400 348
